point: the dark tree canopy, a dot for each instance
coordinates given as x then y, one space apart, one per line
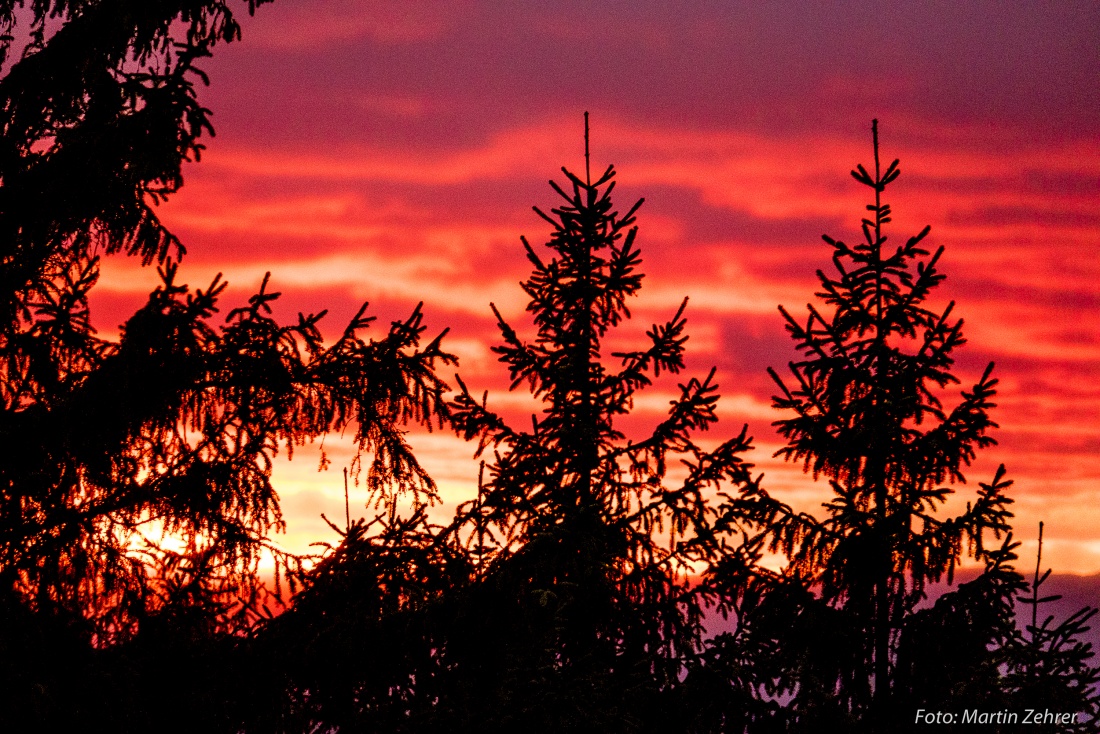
98 115
869 418
135 494
869 415
594 538
173 430
562 598
575 592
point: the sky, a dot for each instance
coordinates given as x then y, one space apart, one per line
391 152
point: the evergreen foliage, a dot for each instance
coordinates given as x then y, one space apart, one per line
96 119
855 648
573 592
371 642
561 599
135 494
593 539
1049 665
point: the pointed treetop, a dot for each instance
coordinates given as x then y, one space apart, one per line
874 138
587 169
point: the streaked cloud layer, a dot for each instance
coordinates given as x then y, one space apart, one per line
392 153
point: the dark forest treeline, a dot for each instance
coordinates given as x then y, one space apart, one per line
571 594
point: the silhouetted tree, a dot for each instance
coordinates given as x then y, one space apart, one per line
366 644
1049 666
868 417
560 599
592 541
135 494
97 117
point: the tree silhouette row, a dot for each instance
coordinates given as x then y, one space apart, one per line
575 592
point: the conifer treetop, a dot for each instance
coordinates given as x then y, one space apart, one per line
868 411
576 296
869 417
867 394
572 510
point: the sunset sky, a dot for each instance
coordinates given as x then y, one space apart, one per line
391 152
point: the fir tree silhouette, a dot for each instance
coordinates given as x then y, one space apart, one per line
1048 666
868 415
113 446
561 598
592 541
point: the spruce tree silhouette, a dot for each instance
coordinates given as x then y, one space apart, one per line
592 539
368 644
96 120
868 417
1048 666
135 493
578 611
